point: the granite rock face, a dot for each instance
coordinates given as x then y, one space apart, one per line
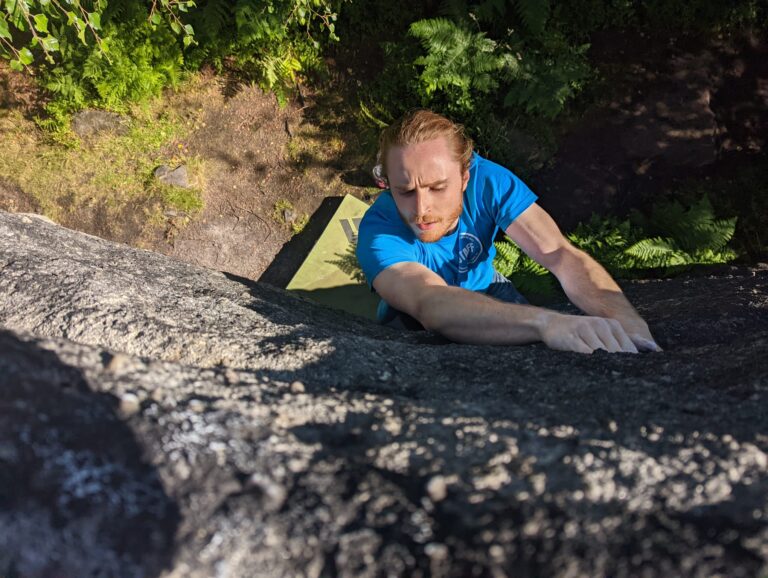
158 419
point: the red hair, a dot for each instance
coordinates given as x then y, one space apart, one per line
421 125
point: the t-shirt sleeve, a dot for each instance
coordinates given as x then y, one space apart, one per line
379 247
507 196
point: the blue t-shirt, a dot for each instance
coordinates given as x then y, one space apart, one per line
494 197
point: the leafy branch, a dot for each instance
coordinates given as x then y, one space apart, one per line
48 21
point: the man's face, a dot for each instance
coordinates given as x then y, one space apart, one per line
427 184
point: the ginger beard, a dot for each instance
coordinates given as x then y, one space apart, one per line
439 227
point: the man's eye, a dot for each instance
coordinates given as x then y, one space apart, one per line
438 189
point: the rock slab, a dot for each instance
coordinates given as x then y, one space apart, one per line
151 425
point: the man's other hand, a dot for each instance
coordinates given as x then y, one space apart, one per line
585 334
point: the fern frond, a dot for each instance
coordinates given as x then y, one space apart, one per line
213 17
655 253
532 284
458 61
533 13
692 228
491 10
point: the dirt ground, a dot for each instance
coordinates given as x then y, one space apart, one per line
265 171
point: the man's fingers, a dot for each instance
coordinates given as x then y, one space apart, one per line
645 344
580 346
588 335
609 335
622 337
585 334
605 339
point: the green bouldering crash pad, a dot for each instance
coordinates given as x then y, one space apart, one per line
330 274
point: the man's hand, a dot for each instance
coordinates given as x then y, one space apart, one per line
586 334
586 283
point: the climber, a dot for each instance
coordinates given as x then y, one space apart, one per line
426 247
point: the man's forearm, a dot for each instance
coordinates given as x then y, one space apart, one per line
468 317
589 286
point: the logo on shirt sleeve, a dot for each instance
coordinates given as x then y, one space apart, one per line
470 249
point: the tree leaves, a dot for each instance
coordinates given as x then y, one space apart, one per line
4 31
50 22
25 56
41 23
94 19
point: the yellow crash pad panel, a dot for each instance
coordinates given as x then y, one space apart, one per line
330 274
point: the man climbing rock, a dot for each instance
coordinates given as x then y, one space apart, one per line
426 247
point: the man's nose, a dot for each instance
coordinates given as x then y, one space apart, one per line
422 202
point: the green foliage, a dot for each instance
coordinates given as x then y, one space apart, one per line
396 89
186 200
299 224
741 191
521 61
534 14
691 227
485 64
273 42
91 53
111 172
671 240
526 56
281 208
464 71
550 75
140 59
284 213
39 26
459 63
528 276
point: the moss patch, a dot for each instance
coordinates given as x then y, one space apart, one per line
109 175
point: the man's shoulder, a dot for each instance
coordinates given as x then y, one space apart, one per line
486 168
381 209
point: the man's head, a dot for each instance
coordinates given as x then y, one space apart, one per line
426 159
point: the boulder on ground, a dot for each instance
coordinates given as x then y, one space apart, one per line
93 122
151 425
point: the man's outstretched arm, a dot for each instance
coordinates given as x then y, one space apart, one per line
586 283
468 317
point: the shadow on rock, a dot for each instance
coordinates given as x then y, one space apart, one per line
76 497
